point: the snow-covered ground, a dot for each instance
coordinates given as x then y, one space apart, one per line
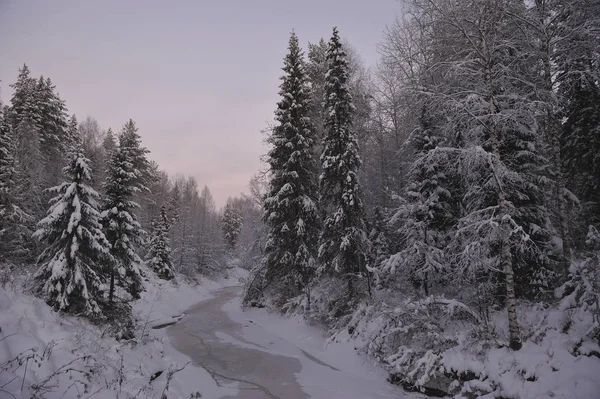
559 359
47 355
329 369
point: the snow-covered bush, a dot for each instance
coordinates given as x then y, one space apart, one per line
252 294
581 293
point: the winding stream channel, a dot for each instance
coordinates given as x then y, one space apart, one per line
266 368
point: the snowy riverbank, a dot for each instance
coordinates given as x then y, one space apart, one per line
47 355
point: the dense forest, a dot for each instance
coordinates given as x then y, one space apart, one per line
89 207
440 208
447 200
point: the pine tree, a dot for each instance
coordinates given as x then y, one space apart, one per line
231 224
70 273
290 211
125 178
159 254
343 241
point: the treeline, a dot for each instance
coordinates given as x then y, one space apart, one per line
112 210
464 166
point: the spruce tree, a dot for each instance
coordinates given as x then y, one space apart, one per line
130 141
7 171
290 209
109 143
159 254
23 103
578 60
316 70
25 117
231 224
12 218
72 138
54 130
125 177
428 213
70 274
343 241
380 238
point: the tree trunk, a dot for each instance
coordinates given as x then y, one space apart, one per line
553 133
503 217
511 301
111 291
563 223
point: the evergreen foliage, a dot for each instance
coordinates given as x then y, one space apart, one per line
12 218
70 273
231 224
126 177
343 241
159 254
290 209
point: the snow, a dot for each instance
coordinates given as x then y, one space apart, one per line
329 369
54 351
557 360
48 349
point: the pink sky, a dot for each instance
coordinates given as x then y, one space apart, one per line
200 78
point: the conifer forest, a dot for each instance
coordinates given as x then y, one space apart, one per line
424 225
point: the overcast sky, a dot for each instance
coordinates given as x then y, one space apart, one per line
200 78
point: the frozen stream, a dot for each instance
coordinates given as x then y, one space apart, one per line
242 353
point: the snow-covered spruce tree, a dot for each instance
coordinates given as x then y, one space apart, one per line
290 211
578 60
72 139
159 253
7 171
582 289
70 274
381 239
343 241
54 131
316 69
231 224
109 143
25 119
428 212
125 177
12 217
